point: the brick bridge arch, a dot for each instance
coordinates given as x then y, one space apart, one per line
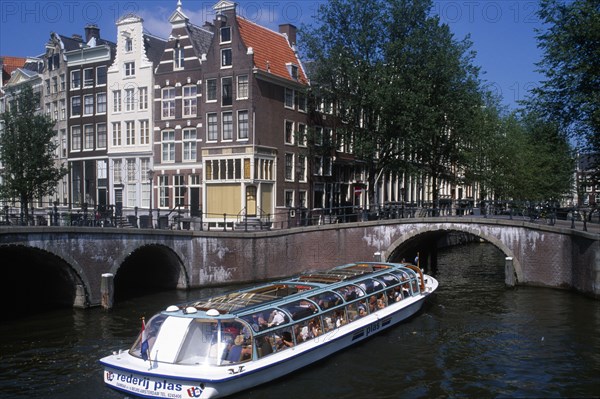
425 230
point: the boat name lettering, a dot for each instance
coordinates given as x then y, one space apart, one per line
141 385
371 328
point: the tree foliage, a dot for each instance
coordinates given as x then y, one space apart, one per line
27 151
404 88
570 95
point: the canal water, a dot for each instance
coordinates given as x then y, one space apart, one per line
474 338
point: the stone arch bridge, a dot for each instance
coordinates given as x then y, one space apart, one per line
72 260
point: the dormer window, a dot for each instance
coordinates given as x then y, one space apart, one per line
226 34
226 58
293 70
128 44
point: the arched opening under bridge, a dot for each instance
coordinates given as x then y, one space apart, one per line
149 269
35 281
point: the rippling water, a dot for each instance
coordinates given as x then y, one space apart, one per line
474 338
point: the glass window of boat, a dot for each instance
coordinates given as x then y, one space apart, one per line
308 329
258 320
300 309
350 292
356 310
326 300
334 319
388 279
274 341
370 285
211 342
152 329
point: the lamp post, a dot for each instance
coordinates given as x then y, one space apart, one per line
150 175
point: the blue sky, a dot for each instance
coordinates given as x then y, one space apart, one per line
502 31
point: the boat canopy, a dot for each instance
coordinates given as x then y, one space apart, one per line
255 322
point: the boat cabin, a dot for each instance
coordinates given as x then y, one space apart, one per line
253 323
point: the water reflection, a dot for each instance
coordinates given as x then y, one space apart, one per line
475 338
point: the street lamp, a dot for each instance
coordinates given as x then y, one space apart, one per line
150 175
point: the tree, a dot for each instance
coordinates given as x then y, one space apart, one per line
27 152
404 89
570 95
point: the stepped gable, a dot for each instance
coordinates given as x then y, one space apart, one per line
272 51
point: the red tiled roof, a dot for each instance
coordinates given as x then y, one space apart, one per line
12 63
270 48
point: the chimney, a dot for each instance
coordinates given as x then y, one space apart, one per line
92 31
290 31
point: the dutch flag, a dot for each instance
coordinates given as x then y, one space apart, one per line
144 341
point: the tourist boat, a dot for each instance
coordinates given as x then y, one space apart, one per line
217 346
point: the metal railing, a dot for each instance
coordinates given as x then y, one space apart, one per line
180 217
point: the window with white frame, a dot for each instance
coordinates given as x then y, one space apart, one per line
101 135
168 102
302 198
211 90
76 79
101 103
289 132
117 171
242 87
130 133
302 102
163 191
227 125
226 91
144 131
226 58
318 166
178 56
88 134
55 84
179 186
211 127
129 99
301 172
143 98
88 77
225 34
189 100
289 98
131 195
63 82
189 144
116 100
327 166
75 138
302 134
318 135
242 124
131 170
88 104
117 137
128 44
168 145
130 68
75 106
289 166
289 198
101 75
63 110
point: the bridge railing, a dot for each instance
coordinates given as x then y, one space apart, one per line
183 217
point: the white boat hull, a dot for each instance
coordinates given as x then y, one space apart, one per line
154 379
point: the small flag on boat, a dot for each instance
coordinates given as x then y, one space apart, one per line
144 348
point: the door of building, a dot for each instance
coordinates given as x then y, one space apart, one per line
251 201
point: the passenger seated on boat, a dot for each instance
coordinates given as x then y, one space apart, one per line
381 302
315 327
285 340
235 352
277 317
372 304
362 309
